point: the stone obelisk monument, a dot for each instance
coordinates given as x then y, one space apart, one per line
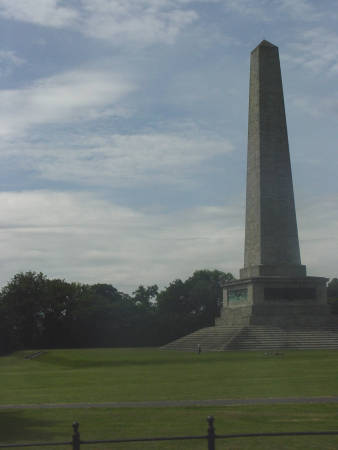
274 304
273 286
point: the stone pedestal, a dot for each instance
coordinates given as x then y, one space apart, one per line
275 301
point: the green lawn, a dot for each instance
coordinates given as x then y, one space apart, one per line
53 425
102 375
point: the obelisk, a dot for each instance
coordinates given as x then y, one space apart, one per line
274 304
273 287
271 235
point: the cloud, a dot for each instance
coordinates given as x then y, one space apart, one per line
316 106
268 10
253 8
83 238
317 50
120 160
302 10
145 22
62 98
142 21
9 60
318 224
49 13
10 57
118 21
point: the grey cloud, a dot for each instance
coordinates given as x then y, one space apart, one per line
315 49
141 21
80 237
48 13
65 97
121 160
8 61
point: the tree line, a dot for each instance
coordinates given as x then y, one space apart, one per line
38 312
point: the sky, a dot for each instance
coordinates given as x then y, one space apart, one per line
123 134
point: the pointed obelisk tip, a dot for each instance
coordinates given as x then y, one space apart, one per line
264 43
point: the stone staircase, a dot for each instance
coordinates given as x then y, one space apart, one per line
210 339
257 337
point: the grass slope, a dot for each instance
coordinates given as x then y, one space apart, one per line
102 375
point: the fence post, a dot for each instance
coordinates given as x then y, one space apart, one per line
211 433
76 436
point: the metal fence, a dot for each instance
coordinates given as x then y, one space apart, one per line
210 438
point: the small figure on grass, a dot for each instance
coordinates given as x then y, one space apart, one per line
199 348
274 353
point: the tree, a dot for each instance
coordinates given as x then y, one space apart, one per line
101 317
38 312
332 294
145 296
186 306
174 299
206 292
22 301
60 304
106 291
332 289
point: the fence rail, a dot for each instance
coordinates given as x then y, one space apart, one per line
210 437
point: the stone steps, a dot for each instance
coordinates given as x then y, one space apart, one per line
271 338
257 337
210 339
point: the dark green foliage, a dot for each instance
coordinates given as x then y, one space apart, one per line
36 312
144 297
186 306
23 303
332 294
332 289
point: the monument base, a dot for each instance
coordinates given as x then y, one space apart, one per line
270 314
275 301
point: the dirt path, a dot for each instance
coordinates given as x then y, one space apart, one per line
177 403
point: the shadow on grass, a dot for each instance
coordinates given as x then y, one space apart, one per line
15 427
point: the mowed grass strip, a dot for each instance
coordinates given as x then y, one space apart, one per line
108 375
55 425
